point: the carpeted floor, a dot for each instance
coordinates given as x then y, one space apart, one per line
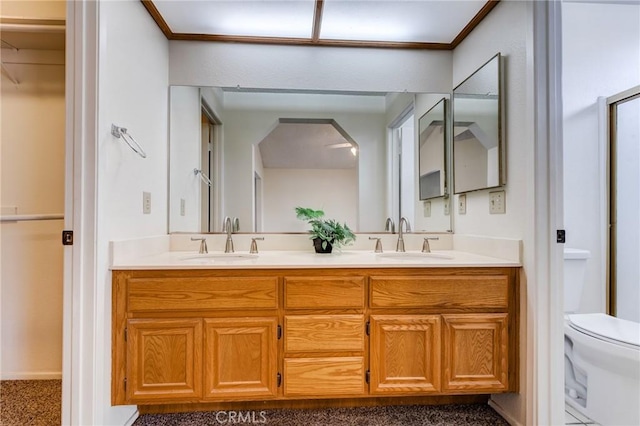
38 403
30 402
413 415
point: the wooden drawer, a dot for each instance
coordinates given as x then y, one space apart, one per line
331 376
323 333
202 293
324 292
444 292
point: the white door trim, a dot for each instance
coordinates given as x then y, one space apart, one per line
545 378
78 374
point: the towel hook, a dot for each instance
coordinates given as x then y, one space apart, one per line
121 132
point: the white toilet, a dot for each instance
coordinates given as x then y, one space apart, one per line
601 353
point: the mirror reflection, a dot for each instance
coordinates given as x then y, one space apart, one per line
266 152
478 143
432 162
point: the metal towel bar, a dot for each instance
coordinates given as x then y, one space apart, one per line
121 132
28 217
204 177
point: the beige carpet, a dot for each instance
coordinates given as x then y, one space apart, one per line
415 415
38 403
30 402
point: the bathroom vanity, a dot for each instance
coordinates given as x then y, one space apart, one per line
191 337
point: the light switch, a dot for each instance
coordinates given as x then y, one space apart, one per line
427 209
497 202
462 204
146 203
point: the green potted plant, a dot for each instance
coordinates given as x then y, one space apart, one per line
325 233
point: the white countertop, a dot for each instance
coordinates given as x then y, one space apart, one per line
277 259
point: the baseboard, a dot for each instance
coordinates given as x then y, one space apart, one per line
133 418
41 375
509 418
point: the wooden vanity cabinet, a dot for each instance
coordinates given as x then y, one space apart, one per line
214 336
164 360
324 336
193 337
405 354
445 331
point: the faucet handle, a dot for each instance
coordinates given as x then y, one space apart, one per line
254 245
425 246
203 245
378 248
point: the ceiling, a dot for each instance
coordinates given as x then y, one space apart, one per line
308 144
412 24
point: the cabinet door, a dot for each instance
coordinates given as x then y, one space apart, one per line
476 352
164 360
405 354
240 358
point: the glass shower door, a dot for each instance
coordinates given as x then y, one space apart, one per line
625 208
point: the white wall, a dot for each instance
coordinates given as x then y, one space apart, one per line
32 167
185 130
601 57
132 93
311 68
335 191
505 30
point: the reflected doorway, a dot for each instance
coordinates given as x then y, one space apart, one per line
403 167
209 206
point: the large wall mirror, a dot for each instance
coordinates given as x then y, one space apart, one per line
478 127
255 155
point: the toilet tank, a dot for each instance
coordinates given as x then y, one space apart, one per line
575 267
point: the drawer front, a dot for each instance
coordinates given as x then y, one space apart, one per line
446 292
202 293
324 292
329 376
323 333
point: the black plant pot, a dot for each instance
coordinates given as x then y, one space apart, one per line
317 243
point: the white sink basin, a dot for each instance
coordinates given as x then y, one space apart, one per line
219 257
413 256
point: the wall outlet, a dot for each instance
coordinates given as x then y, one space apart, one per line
182 206
497 202
446 206
462 204
427 208
146 203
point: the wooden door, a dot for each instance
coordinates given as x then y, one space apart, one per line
476 352
164 360
240 357
405 354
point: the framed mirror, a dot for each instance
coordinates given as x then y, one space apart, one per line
478 130
266 152
432 162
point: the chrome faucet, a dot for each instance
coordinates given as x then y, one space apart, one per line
203 245
390 226
254 244
378 248
228 247
400 244
426 248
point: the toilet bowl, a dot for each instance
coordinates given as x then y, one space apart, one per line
602 356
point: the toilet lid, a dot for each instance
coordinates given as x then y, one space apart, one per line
607 327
